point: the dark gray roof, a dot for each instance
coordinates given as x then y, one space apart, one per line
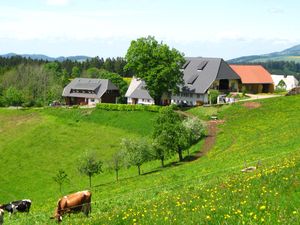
96 87
200 73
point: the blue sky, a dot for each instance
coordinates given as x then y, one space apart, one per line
214 28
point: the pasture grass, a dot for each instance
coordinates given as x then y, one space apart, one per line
210 190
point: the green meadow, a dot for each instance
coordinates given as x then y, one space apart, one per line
35 143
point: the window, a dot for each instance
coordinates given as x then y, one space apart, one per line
186 64
92 100
192 79
202 65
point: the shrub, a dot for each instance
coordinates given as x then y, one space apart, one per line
124 107
213 96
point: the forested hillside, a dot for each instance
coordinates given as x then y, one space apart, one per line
28 82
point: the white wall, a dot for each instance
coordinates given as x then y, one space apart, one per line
141 101
189 99
289 80
93 101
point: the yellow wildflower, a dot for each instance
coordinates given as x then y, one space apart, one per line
263 207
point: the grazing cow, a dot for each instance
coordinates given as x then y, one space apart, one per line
76 202
1 216
17 206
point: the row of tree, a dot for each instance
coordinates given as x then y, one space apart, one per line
172 135
115 65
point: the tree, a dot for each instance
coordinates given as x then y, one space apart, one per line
117 80
160 148
60 178
75 72
157 64
194 128
281 86
136 152
116 163
13 97
89 165
170 133
213 96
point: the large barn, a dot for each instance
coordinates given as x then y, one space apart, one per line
254 79
86 91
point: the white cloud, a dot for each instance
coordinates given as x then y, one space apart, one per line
58 2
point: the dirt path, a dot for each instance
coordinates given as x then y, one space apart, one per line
210 139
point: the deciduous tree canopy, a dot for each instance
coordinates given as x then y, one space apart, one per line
157 64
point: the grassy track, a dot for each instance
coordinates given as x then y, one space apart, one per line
211 190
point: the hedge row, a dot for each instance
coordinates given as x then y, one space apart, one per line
124 107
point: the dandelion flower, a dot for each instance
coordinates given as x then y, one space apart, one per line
263 207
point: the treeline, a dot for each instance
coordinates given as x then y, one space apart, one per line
115 65
27 82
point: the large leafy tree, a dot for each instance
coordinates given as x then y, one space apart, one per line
157 64
170 134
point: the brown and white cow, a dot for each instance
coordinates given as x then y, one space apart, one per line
76 202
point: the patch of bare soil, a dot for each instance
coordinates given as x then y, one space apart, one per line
210 139
252 105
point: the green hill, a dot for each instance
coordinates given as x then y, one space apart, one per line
210 190
290 54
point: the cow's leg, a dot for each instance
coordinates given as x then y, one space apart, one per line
85 209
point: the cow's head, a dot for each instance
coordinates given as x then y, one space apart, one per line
57 216
57 213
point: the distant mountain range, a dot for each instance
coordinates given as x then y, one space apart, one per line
290 54
44 57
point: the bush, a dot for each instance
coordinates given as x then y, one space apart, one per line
125 107
213 96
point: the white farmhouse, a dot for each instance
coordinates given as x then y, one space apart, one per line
201 74
137 93
288 82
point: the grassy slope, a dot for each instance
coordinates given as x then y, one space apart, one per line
212 189
34 144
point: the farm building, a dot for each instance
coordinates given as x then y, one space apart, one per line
85 91
137 93
254 78
285 82
200 75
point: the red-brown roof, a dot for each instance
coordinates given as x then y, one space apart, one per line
253 74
